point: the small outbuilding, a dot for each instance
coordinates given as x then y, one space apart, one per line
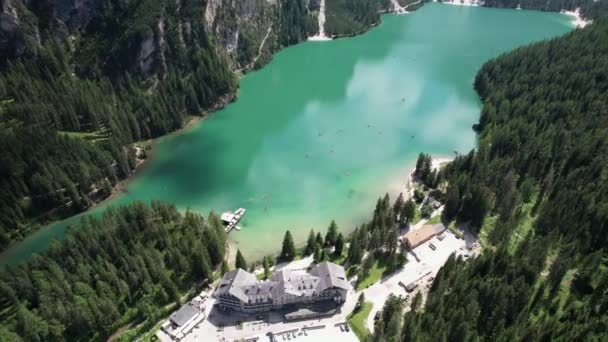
411 287
420 236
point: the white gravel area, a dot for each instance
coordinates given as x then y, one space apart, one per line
430 263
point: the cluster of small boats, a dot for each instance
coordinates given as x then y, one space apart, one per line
230 219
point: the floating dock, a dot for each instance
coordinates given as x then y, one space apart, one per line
230 219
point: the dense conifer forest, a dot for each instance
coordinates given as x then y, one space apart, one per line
537 191
590 9
349 17
71 106
128 266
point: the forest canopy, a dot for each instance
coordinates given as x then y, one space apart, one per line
123 267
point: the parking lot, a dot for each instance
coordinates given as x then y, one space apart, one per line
219 326
415 272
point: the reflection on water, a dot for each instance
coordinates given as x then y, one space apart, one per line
325 129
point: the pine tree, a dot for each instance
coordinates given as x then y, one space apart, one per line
288 252
355 251
398 206
360 302
266 263
316 256
339 246
452 204
240 261
319 238
407 212
368 263
332 234
310 243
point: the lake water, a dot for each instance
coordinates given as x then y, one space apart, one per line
328 127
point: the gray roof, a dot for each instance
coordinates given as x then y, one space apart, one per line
248 289
331 275
184 314
234 283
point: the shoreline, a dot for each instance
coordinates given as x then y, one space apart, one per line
405 187
467 3
436 163
140 164
577 20
121 186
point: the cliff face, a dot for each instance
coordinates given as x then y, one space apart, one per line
22 21
241 25
249 31
12 41
238 27
136 33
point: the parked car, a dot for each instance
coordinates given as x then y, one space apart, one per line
432 246
346 327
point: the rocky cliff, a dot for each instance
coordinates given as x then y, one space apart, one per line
238 27
132 35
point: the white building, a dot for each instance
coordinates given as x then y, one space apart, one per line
187 317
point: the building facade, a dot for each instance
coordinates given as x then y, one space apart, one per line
242 291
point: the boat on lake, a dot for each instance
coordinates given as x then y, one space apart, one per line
230 219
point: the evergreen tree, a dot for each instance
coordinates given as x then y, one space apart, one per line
452 204
332 234
398 207
360 302
310 243
266 263
288 251
368 263
224 268
317 254
339 246
408 212
319 239
355 250
240 260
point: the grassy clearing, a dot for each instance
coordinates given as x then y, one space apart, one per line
357 320
95 136
523 228
375 273
434 220
488 225
564 288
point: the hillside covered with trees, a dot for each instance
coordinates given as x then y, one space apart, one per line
131 265
77 91
590 9
537 191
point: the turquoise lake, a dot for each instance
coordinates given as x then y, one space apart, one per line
328 127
